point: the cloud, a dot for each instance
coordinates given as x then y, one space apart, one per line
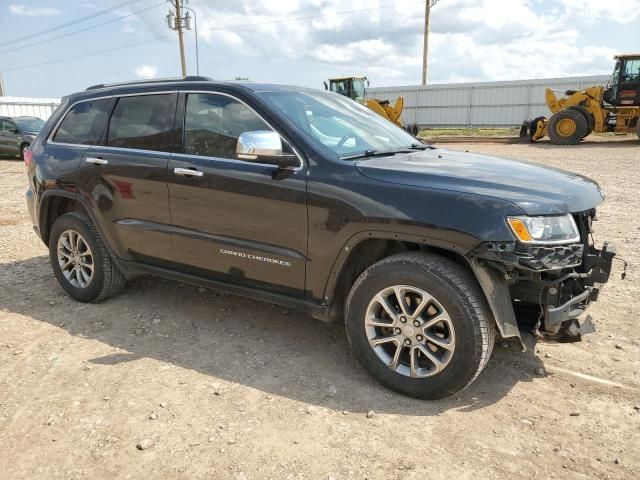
33 11
146 71
624 11
471 40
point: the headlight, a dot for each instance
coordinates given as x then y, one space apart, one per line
552 230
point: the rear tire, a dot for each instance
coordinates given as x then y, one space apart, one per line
567 127
413 358
80 260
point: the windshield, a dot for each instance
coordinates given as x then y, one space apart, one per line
342 125
29 124
358 89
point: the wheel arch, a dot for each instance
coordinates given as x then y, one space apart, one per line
367 248
54 203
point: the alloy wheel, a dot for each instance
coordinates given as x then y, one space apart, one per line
75 259
410 331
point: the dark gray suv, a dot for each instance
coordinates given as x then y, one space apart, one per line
310 200
17 133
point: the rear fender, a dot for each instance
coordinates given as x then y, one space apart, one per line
43 215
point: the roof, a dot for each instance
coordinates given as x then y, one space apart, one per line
191 78
627 55
348 78
189 81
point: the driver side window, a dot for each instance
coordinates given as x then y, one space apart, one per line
213 123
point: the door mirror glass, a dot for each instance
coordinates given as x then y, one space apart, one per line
264 146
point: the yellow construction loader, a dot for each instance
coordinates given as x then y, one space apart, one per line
614 108
353 87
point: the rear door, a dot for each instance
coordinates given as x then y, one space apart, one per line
234 220
126 176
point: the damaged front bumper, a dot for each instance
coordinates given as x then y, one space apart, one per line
554 284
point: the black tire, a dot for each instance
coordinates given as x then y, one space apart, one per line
456 290
591 122
638 128
567 127
106 281
23 147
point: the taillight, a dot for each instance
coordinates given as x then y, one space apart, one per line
28 157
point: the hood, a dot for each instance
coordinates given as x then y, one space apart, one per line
535 189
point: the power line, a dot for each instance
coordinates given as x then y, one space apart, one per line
309 17
60 60
68 24
230 27
81 30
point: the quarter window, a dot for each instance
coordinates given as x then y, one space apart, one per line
84 123
141 122
213 124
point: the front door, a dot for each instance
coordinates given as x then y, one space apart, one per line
8 137
234 220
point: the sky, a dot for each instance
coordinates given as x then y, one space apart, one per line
304 42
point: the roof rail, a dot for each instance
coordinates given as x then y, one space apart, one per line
188 78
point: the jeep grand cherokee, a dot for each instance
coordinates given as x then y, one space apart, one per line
307 199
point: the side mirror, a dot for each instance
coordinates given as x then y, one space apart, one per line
326 87
265 146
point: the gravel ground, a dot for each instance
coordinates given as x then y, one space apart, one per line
174 382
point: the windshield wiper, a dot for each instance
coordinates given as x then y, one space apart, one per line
367 153
419 146
393 151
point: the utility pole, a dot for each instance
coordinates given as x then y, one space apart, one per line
177 22
187 21
429 4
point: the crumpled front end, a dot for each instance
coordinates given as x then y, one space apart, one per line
551 286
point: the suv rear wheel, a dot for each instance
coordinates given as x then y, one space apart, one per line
80 261
419 324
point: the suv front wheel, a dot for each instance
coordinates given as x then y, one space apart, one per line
80 260
419 324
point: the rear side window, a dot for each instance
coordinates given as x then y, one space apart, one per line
213 124
141 122
84 123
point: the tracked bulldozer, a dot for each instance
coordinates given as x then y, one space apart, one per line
614 108
353 87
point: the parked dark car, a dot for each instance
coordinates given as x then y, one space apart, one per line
307 199
17 133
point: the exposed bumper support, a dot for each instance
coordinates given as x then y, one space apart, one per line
561 280
567 311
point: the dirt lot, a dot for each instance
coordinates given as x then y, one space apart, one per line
217 386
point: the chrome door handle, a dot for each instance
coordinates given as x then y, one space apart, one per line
187 172
96 161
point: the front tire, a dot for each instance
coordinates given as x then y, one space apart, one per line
80 260
418 323
567 127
